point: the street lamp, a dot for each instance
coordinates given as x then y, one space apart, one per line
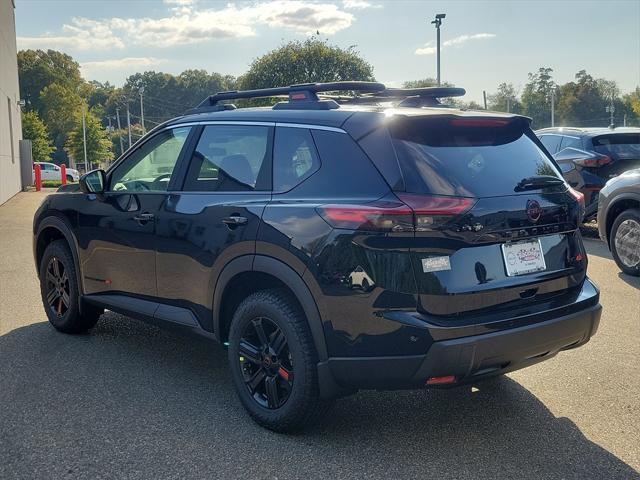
437 22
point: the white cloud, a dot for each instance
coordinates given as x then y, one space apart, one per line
118 67
186 24
430 49
80 34
358 4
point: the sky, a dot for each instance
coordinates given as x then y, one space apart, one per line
484 43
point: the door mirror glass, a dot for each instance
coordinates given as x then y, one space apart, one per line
93 182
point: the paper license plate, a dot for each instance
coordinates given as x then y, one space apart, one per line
523 257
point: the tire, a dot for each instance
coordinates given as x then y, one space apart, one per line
365 284
297 402
625 241
63 310
69 178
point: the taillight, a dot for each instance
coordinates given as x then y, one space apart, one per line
415 213
390 217
591 162
431 210
579 196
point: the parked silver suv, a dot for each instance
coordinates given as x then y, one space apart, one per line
619 220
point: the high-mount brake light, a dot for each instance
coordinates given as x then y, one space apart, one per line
479 122
415 213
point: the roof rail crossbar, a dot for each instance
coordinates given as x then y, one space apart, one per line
302 92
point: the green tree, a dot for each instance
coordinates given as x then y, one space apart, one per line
61 106
38 69
536 97
35 130
313 60
425 82
98 143
505 99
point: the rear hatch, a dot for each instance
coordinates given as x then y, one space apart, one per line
495 225
623 150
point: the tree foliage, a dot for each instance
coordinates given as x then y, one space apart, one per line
98 143
39 69
313 60
35 130
505 99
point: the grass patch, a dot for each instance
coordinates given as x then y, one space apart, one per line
54 183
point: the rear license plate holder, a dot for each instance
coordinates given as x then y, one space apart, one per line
522 258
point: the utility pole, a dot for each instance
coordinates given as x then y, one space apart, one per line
508 104
129 124
87 167
109 128
484 97
553 107
611 110
142 111
119 130
437 22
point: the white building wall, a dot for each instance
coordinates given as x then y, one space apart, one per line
9 97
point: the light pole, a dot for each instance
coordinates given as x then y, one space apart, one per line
437 22
142 110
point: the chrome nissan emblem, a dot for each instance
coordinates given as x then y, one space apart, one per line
534 210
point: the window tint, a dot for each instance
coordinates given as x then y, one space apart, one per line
467 161
551 142
149 168
618 146
571 142
294 158
228 158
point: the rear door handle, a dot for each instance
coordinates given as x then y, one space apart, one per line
234 221
144 217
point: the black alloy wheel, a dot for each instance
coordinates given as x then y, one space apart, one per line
58 291
266 363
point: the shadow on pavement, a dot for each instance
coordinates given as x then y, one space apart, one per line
129 400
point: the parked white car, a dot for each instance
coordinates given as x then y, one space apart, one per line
51 171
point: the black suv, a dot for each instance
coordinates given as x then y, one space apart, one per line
332 246
588 157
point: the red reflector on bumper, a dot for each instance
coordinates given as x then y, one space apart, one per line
441 380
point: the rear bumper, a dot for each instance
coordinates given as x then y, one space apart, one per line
468 358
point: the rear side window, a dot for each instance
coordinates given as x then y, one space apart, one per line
228 158
474 161
551 142
571 142
618 146
294 158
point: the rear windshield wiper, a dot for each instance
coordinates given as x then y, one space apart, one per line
538 181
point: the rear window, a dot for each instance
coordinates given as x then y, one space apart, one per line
473 161
621 145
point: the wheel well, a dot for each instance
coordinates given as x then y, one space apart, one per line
239 288
616 209
46 236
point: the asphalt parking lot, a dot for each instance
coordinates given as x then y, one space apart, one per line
131 401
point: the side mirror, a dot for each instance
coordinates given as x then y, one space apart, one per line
94 181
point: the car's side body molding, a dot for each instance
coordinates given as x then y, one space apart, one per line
278 269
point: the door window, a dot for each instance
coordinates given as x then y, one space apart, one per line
229 158
294 158
149 169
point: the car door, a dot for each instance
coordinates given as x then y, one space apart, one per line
116 230
49 171
215 215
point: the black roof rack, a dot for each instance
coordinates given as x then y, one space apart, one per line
305 96
305 92
407 97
